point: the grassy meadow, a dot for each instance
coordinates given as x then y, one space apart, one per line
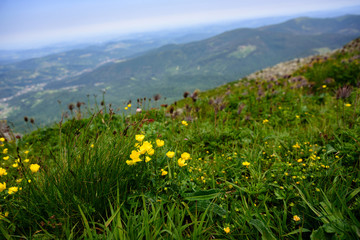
253 159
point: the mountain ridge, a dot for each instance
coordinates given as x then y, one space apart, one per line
174 68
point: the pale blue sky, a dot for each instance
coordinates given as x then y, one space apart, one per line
36 22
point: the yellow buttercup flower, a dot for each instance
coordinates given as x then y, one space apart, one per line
184 123
139 137
135 155
13 190
130 162
181 162
163 172
296 218
159 142
5 151
26 152
246 164
2 172
265 121
2 186
146 146
296 145
185 156
227 230
129 105
170 154
147 159
15 165
26 160
6 158
151 151
34 167
347 105
2 139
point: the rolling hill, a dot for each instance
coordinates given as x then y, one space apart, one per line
172 69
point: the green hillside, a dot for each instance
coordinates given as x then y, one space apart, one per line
172 69
56 67
264 158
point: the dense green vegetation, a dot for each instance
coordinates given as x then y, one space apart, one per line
184 67
252 159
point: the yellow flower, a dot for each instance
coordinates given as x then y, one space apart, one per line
34 167
299 160
227 230
296 145
19 180
2 139
139 137
246 164
6 158
129 105
2 172
147 159
29 181
2 186
296 218
324 86
347 105
159 142
145 147
5 151
135 155
132 162
184 123
265 121
13 190
297 116
92 145
26 160
185 156
151 151
15 165
126 108
170 154
181 162
163 172
26 152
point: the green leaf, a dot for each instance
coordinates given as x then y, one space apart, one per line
280 194
330 149
204 205
301 230
202 195
265 231
318 234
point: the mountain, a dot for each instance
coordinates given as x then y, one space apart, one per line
174 68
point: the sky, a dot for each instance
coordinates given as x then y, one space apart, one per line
32 23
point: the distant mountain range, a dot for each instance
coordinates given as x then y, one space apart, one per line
33 87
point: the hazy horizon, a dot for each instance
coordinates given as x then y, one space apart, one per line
31 24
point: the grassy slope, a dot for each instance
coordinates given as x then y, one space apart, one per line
269 159
185 67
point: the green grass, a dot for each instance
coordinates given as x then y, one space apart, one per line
269 160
